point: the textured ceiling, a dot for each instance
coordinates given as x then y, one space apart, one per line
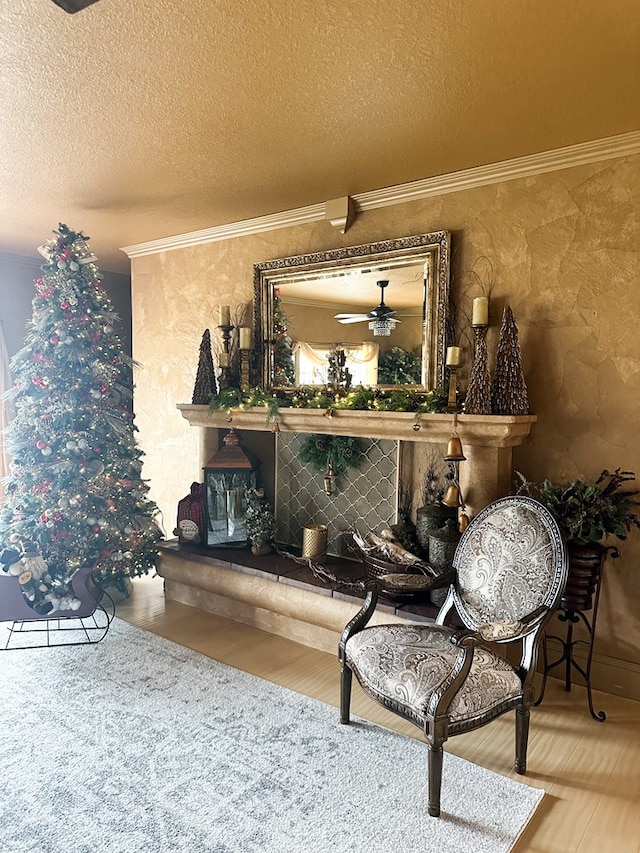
135 120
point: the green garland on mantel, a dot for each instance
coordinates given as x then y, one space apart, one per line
311 397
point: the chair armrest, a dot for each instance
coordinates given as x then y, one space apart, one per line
443 696
361 618
508 629
494 631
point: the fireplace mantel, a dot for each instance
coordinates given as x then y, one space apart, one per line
487 439
485 430
235 588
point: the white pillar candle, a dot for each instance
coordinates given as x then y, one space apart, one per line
453 356
224 315
480 315
246 337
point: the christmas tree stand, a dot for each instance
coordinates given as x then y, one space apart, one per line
28 629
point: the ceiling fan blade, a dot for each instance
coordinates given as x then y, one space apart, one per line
349 316
360 318
72 6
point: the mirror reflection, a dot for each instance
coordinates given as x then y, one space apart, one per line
366 315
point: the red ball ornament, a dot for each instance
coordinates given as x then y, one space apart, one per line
54 339
65 305
44 518
104 389
96 528
41 443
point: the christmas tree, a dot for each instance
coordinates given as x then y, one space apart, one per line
283 367
478 399
509 388
206 385
75 490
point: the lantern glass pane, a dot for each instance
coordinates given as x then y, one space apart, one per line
227 506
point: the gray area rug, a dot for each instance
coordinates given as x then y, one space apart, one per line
138 744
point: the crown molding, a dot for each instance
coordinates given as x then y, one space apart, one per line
595 151
21 260
312 213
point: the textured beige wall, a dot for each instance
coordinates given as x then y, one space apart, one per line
565 251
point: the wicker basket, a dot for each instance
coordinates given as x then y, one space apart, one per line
377 567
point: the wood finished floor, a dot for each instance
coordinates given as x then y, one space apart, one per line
589 770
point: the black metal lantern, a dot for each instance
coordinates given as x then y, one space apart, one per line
228 476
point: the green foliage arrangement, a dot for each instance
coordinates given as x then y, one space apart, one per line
259 518
338 451
589 512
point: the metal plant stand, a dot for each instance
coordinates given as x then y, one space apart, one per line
583 588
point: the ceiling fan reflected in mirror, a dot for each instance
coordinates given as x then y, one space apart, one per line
72 6
381 319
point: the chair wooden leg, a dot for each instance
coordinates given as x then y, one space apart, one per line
522 738
435 779
346 676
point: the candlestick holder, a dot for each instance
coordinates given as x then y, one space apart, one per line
226 336
452 404
478 398
245 359
223 379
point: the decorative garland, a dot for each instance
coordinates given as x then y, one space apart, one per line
325 452
312 397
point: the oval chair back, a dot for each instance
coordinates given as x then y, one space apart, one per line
510 564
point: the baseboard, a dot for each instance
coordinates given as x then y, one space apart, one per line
608 674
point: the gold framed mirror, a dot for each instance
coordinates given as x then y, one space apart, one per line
384 305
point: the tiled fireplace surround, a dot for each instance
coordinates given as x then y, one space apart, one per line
277 594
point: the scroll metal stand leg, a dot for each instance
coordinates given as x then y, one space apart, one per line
572 617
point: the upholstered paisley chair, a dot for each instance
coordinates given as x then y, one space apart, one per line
510 571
